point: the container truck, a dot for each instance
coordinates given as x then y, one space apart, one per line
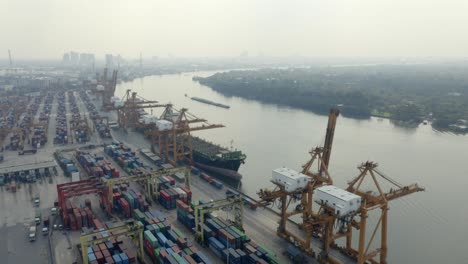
32 233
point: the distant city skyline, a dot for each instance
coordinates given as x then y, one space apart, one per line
47 29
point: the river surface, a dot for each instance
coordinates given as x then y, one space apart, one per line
426 227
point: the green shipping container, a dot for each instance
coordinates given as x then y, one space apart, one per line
162 228
240 233
156 228
151 238
187 251
179 259
177 231
273 259
139 215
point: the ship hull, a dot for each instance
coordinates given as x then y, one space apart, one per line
224 174
223 164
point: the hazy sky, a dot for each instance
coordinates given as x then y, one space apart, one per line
48 28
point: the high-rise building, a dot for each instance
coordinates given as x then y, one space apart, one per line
109 61
74 58
66 58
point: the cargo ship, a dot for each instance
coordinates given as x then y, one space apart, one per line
201 100
220 161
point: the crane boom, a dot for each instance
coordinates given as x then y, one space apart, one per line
327 146
9 57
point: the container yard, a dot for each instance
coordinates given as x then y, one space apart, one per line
140 193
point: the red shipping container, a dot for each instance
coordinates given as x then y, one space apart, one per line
96 248
165 195
186 190
94 262
110 260
72 222
97 223
171 180
176 249
181 242
106 253
193 249
163 254
131 255
189 259
99 257
66 221
78 221
102 246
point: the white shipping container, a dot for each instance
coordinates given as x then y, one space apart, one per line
342 201
181 192
118 103
100 88
75 176
290 179
164 125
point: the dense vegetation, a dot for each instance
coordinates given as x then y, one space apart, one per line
409 93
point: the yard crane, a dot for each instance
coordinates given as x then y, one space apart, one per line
232 203
132 229
149 181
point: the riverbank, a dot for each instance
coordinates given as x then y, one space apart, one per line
411 98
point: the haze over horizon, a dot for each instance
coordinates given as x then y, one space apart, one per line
46 29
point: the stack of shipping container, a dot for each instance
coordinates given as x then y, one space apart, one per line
61 128
113 251
224 239
169 193
165 243
77 124
76 217
96 165
100 126
127 159
127 200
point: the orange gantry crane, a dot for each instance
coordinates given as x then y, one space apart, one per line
177 140
303 199
107 90
128 114
373 200
174 141
325 223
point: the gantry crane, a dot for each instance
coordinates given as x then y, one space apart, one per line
131 229
74 189
303 199
177 140
128 115
232 203
109 88
373 200
149 181
323 222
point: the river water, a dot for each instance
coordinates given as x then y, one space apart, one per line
426 227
